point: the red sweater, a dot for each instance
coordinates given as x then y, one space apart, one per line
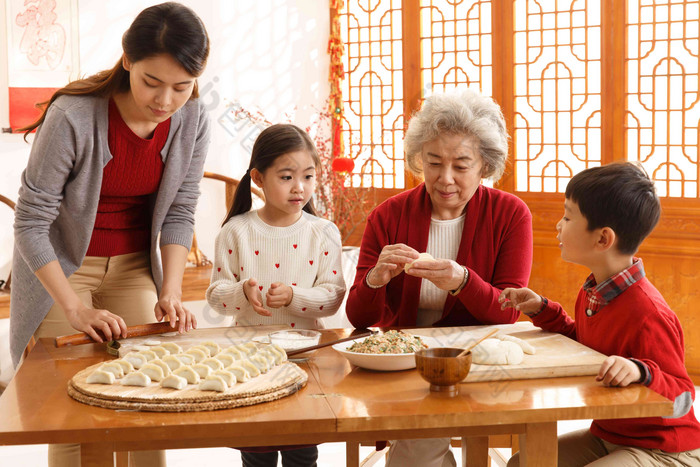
123 222
637 324
496 247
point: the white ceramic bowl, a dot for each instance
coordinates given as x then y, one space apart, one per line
295 339
380 362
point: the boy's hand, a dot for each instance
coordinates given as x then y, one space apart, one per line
524 300
618 371
252 293
278 295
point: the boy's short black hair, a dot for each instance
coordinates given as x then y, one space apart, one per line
620 196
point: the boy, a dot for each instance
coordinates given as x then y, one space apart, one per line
608 211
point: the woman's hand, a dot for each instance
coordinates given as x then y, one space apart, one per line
278 295
90 321
444 273
170 305
252 292
524 300
390 263
618 371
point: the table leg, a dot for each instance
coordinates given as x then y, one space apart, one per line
97 455
475 451
352 454
538 446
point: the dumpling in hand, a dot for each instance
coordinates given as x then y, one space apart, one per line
136 379
174 381
153 371
421 257
100 377
188 373
213 383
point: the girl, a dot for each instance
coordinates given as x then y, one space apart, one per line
115 164
279 264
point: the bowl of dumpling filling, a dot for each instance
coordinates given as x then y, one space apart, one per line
388 351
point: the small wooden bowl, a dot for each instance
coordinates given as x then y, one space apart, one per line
442 369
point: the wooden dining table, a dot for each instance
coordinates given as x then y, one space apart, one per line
340 403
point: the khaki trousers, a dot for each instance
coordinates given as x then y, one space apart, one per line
124 286
580 448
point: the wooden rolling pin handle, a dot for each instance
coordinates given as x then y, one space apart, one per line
131 331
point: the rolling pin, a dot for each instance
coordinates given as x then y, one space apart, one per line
131 331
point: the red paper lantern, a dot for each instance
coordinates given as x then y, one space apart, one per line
343 164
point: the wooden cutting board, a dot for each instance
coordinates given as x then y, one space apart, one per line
556 355
222 336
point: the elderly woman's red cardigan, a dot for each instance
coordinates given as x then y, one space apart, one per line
496 247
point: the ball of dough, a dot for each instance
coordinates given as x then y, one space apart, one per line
497 352
421 257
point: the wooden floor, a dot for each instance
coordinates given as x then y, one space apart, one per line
195 283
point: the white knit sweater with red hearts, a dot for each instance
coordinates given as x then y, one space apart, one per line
306 256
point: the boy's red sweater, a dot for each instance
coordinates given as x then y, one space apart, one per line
637 324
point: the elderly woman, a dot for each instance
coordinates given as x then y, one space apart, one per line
480 237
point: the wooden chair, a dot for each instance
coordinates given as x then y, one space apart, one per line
198 272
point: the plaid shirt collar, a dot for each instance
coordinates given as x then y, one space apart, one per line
600 295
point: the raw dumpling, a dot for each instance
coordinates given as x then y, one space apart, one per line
249 348
171 347
174 381
136 359
186 358
239 372
213 347
203 348
160 351
152 342
213 363
225 359
202 370
251 367
421 257
153 371
163 365
126 366
280 354
227 376
269 355
213 383
113 367
235 352
100 377
188 373
527 348
149 354
497 352
136 379
197 354
173 362
260 361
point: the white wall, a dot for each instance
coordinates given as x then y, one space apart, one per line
270 55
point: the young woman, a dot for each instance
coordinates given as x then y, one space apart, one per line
105 213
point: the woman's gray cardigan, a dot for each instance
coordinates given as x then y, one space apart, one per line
60 189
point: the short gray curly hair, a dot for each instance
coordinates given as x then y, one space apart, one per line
464 112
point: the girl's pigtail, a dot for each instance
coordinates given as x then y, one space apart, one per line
242 199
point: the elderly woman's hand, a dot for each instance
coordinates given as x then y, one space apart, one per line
390 263
444 273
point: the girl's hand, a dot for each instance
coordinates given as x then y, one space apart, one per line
618 371
278 295
252 293
444 273
390 263
524 300
90 321
170 305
